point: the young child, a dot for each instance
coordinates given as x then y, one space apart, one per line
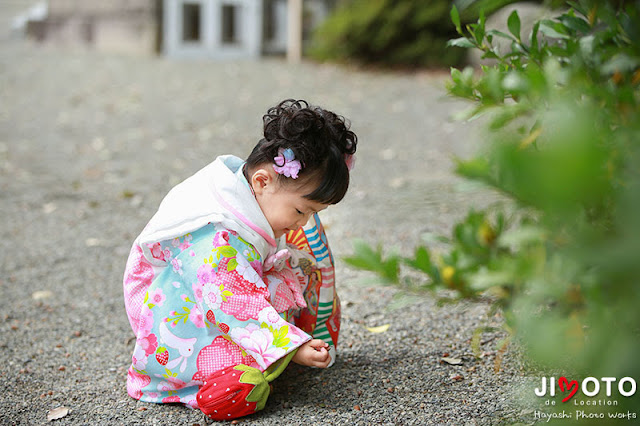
232 278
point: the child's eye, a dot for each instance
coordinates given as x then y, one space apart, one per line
299 212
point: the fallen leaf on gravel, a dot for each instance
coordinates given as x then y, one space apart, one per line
42 294
49 208
57 413
92 242
452 361
380 329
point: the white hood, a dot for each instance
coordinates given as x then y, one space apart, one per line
214 194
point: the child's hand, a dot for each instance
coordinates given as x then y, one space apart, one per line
314 353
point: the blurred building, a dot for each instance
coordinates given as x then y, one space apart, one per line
216 29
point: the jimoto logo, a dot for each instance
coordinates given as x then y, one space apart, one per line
590 387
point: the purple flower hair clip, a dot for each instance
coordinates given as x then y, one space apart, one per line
286 163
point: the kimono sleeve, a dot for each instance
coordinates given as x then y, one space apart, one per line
236 300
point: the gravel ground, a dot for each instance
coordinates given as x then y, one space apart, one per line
89 145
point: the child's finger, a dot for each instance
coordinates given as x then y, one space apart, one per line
326 359
322 356
317 344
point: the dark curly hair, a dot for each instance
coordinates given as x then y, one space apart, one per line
319 139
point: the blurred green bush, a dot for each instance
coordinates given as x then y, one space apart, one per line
406 33
388 32
563 144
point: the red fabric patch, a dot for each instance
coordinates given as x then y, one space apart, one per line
223 396
220 354
247 300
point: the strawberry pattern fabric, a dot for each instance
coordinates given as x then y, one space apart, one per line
214 307
208 288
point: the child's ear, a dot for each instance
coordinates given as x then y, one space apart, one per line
260 180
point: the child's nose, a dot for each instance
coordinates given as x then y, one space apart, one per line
303 221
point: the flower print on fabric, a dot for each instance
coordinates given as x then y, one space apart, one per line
190 400
198 288
156 297
139 358
223 250
206 274
269 316
146 321
216 314
214 295
156 251
177 266
191 310
148 344
169 252
246 271
170 384
297 337
221 239
259 343
153 396
186 243
197 317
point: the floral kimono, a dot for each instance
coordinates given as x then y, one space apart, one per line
207 286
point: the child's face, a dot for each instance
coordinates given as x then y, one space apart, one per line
283 205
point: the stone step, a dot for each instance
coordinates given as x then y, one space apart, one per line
9 11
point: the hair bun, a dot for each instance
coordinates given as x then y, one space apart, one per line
319 139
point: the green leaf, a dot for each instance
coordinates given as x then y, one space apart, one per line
513 23
456 75
522 236
401 300
621 62
421 260
455 18
461 42
575 23
368 259
479 31
485 279
534 38
490 55
476 168
550 29
232 265
499 34
226 251
578 7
